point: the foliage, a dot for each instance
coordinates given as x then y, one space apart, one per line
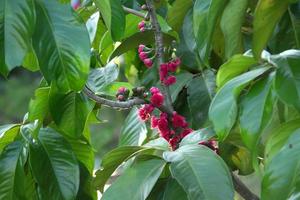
238 87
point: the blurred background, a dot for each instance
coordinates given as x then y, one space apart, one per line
16 92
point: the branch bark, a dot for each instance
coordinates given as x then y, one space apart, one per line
242 189
159 44
135 12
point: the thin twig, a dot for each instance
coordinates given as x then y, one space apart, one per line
159 49
119 104
242 189
135 12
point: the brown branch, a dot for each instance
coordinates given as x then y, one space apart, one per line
135 12
242 189
159 49
119 104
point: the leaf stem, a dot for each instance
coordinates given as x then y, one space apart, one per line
135 12
242 189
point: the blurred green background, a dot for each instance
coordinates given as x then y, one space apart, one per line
16 92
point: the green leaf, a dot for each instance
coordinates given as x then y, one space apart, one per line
177 13
101 77
136 182
111 161
266 16
86 190
182 80
62 45
198 136
231 23
134 40
174 191
159 143
234 67
17 20
8 134
294 13
287 83
205 17
39 106
134 130
256 111
223 109
113 16
200 92
54 155
70 111
201 173
281 178
83 152
279 138
11 172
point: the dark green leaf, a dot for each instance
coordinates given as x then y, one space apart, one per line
201 173
17 21
197 136
11 179
62 45
39 106
223 109
70 111
205 17
181 81
111 161
267 14
134 130
101 77
174 191
114 17
136 182
233 67
256 111
231 23
8 134
281 178
53 154
287 83
177 13
200 93
294 13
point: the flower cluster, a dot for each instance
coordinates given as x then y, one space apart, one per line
166 69
144 53
141 26
172 128
122 94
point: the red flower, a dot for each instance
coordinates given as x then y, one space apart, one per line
143 55
212 144
122 90
157 99
174 142
141 24
163 125
148 62
178 121
172 66
145 111
177 61
185 132
141 48
163 71
154 90
154 122
170 80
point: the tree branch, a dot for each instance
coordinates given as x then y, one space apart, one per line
159 49
135 12
119 104
242 189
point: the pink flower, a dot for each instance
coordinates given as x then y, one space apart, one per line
178 121
172 66
185 132
154 122
163 71
157 99
145 111
163 125
122 90
143 55
142 29
121 97
154 90
141 24
174 142
75 4
170 80
177 61
141 48
148 62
